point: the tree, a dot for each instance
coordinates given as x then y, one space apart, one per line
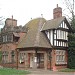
71 44
71 37
0 56
69 8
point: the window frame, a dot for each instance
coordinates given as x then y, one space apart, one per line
60 57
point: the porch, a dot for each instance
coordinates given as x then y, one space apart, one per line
33 59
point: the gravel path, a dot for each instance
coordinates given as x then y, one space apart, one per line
47 72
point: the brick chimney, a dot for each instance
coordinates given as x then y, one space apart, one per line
11 22
57 12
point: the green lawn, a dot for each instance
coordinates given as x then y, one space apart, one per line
9 71
67 70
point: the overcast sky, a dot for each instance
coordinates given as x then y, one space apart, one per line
24 10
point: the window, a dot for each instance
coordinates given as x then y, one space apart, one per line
49 56
60 57
41 57
63 25
21 57
10 38
12 56
59 34
0 38
4 38
5 57
62 34
57 43
66 35
54 42
7 38
54 36
66 26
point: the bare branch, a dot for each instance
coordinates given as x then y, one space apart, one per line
70 6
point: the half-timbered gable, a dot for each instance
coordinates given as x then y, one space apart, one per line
56 31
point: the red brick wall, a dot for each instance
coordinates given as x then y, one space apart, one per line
57 12
10 21
53 62
9 65
9 47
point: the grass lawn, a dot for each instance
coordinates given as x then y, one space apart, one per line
67 70
9 71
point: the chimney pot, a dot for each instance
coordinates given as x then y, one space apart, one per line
57 5
12 17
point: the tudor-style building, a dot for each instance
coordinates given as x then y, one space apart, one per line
46 42
39 44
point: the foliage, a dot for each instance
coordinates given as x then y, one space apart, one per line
9 71
71 49
0 56
69 8
73 24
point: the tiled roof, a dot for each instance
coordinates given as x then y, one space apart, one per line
13 29
34 37
16 34
52 24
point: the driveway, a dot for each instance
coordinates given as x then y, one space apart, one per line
48 72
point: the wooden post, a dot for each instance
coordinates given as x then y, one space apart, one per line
45 60
26 61
17 51
50 58
35 60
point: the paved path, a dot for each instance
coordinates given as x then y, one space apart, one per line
47 72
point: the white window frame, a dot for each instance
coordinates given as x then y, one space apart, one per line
60 57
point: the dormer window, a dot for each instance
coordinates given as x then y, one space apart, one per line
4 38
15 37
7 38
10 38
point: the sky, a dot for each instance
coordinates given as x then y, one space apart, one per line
24 10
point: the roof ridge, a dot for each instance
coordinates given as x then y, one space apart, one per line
38 33
53 23
57 18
